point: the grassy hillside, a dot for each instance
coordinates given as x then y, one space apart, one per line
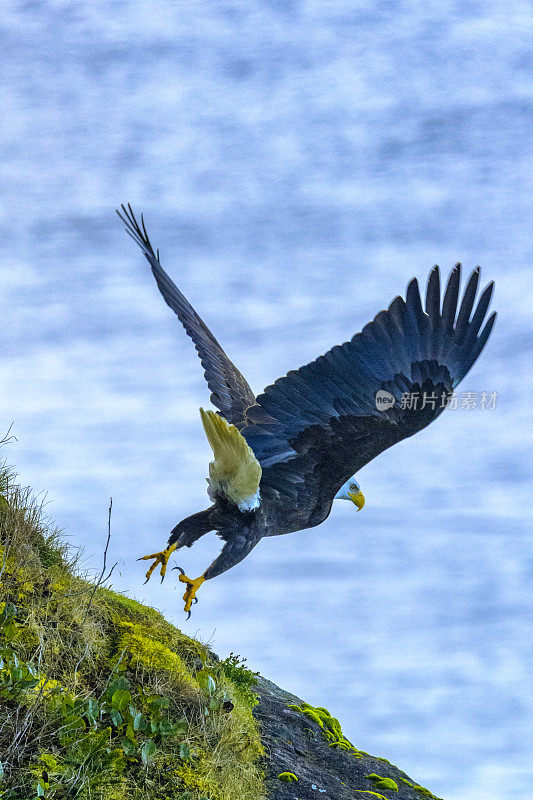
101 697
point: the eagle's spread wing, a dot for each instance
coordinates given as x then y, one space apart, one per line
317 426
231 393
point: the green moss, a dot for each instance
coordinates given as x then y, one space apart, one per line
372 794
142 651
121 608
419 789
287 777
383 783
330 726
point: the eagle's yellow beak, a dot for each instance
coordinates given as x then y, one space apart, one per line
358 498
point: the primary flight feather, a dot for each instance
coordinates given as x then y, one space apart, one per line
281 458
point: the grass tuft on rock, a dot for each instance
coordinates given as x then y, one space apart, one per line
100 696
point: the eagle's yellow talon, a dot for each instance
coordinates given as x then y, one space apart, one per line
160 558
190 591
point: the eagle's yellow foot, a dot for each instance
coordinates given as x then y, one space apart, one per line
190 591
160 558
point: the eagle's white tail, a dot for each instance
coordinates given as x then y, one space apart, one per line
235 471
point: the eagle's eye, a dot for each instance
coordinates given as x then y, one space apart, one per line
353 487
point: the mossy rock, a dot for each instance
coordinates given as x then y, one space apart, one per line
383 783
288 777
297 739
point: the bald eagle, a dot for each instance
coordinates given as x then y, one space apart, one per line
281 458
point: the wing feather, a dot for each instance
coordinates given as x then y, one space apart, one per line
484 335
479 314
467 304
433 295
449 304
231 394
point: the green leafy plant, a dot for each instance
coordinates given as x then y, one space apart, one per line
218 698
234 667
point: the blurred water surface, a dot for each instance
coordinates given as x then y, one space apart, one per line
297 163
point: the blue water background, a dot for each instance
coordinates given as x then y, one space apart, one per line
297 163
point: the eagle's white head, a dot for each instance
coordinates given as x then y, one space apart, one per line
351 491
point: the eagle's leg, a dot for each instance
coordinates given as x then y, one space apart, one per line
233 551
184 534
160 558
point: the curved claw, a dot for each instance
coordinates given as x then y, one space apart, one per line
188 614
159 558
182 571
191 588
